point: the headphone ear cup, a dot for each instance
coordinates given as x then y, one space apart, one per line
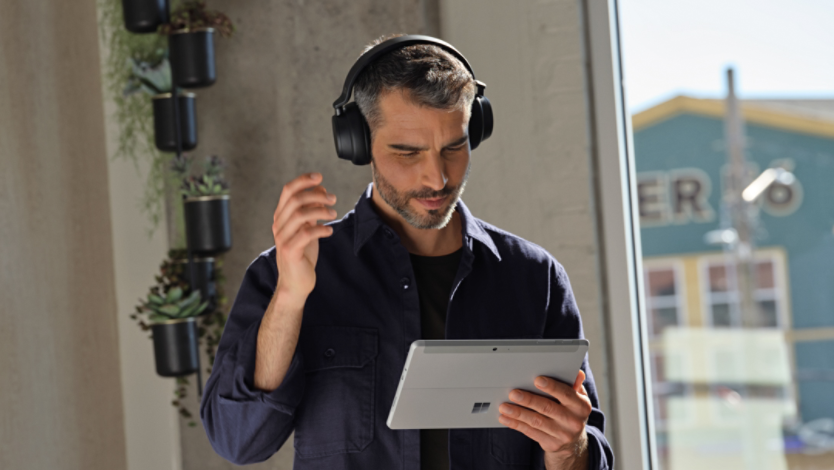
476 124
486 107
352 135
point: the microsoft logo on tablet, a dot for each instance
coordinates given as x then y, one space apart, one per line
480 408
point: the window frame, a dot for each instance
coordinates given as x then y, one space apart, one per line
778 291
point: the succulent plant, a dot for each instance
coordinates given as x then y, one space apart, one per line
172 305
210 183
193 14
151 76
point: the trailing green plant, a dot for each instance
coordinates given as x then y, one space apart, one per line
133 113
172 276
209 183
193 14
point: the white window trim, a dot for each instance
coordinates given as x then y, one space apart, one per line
777 293
678 300
632 415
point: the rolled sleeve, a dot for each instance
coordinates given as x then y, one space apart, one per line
244 424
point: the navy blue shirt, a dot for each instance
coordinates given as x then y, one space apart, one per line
358 324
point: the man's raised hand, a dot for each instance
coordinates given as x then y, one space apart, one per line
303 202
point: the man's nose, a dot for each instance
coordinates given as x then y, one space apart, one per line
434 175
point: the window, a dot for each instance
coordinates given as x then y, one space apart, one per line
663 296
723 299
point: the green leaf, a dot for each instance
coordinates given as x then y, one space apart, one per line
157 318
174 295
193 310
155 299
194 297
171 310
202 307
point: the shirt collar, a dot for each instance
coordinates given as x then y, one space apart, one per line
368 221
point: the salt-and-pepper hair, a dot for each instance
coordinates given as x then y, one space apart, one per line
431 77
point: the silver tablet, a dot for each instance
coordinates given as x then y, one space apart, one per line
460 383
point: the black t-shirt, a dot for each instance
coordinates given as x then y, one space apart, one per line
434 276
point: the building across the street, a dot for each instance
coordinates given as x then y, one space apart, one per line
725 393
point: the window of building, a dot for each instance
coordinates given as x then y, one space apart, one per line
722 298
663 296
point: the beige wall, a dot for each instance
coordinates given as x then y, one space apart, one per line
60 392
151 423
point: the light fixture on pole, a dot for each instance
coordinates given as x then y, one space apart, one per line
765 180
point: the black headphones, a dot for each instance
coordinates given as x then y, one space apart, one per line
351 131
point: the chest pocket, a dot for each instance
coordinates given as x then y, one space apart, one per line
336 414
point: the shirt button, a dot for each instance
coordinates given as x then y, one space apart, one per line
389 233
329 353
405 282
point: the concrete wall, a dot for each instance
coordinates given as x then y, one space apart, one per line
61 403
150 420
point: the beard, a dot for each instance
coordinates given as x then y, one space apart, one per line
399 201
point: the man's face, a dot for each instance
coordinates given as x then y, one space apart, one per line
420 160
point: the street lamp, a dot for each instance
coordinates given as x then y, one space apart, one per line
763 182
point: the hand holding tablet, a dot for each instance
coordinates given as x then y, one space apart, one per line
461 383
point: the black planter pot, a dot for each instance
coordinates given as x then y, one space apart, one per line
192 57
207 224
163 122
175 347
203 279
144 16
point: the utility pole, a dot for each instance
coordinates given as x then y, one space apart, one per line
742 215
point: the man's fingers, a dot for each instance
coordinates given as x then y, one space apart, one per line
294 247
548 442
546 406
304 216
566 394
316 196
537 420
577 384
300 183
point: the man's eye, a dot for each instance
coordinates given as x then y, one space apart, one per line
412 154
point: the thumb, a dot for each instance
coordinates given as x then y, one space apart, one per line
577 384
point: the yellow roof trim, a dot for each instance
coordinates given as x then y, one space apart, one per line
715 108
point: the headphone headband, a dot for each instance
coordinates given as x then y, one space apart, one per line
388 46
351 132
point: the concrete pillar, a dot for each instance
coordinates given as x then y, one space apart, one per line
61 404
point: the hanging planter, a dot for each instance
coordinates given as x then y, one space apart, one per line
175 347
191 42
207 224
203 279
174 331
192 57
144 16
163 122
205 206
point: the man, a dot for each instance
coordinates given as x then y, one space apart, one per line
319 349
